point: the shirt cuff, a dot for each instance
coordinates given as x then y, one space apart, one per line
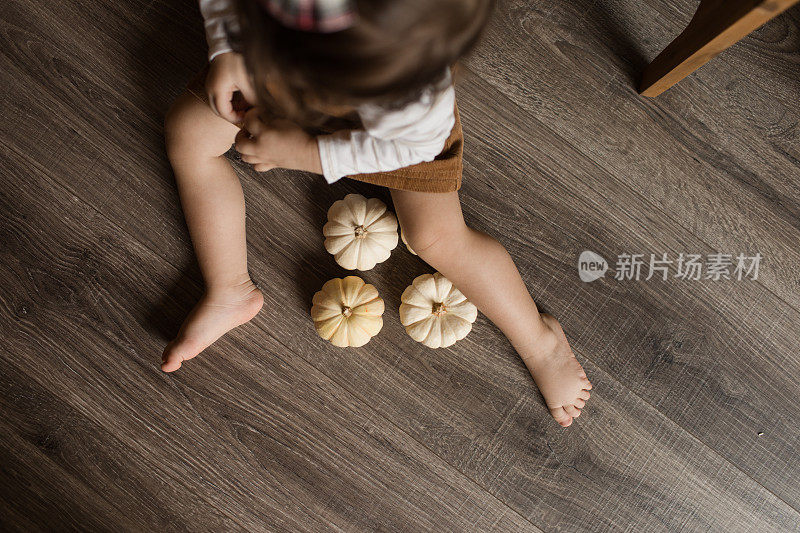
219 49
326 160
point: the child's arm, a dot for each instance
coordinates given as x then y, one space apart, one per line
392 139
279 144
217 14
227 73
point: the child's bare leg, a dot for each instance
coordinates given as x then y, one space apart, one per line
213 204
483 270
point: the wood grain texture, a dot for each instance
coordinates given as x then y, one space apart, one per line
273 429
709 172
688 348
715 26
259 443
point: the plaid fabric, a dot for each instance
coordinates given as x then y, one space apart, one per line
323 16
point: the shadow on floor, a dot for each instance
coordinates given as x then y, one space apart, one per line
618 41
165 318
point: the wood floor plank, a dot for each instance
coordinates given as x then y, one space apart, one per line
257 438
73 473
754 140
724 190
478 390
481 415
472 406
715 357
31 501
469 393
753 402
455 403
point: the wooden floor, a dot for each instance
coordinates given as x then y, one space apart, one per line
694 421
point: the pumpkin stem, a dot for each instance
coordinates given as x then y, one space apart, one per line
360 232
439 308
346 311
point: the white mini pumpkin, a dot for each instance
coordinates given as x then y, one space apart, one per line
347 312
360 232
403 238
435 312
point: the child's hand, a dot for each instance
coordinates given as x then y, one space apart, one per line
226 75
278 144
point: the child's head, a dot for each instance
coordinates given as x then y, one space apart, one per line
389 51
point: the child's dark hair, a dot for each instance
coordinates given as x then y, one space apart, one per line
393 50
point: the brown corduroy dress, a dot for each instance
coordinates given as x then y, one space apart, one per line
443 174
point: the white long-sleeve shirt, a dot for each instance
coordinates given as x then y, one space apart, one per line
391 138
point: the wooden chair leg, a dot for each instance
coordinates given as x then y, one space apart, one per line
716 25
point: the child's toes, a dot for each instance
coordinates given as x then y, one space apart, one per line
587 385
170 366
174 355
579 403
572 411
179 350
584 395
170 360
561 416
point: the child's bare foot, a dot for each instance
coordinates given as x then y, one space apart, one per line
217 312
557 373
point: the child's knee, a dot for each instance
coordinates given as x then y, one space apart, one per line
191 129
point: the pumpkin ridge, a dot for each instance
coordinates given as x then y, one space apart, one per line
334 225
384 242
386 219
353 292
378 211
456 297
412 296
364 291
358 325
462 306
357 295
341 213
360 254
387 231
346 254
418 321
341 296
443 287
328 325
329 289
425 307
450 329
335 244
358 218
368 256
426 286
411 314
319 297
457 318
436 330
431 321
320 313
341 336
359 309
